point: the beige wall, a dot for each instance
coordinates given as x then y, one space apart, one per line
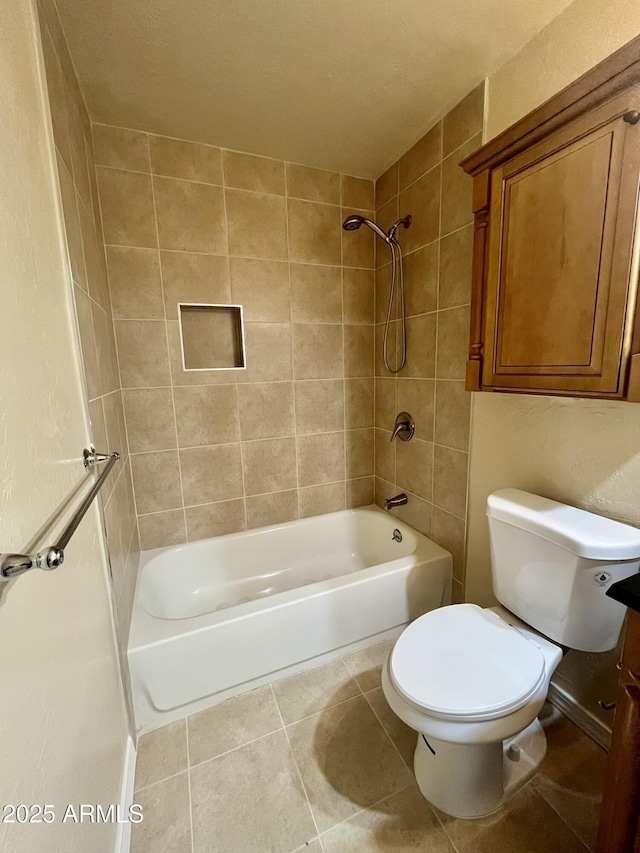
580 451
63 727
76 175
431 468
215 452
584 34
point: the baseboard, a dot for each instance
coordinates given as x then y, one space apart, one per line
123 838
580 716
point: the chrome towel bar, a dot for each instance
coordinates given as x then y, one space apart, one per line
12 565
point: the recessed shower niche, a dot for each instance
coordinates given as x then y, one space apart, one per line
211 336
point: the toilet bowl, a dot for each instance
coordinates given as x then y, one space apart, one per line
471 682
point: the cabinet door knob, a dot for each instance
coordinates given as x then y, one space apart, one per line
632 117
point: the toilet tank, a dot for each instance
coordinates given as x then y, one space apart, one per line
552 565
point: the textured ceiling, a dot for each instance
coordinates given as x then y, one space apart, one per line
346 85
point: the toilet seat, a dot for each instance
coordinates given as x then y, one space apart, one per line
465 663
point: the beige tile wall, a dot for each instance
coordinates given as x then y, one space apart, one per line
292 435
428 183
76 173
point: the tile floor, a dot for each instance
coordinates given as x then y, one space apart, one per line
318 763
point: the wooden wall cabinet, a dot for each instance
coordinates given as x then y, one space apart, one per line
555 267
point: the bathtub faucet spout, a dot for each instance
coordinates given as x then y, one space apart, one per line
397 500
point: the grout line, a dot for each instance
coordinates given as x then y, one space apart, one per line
437 332
447 511
457 230
291 347
166 335
164 778
244 354
81 235
442 826
295 761
382 726
69 56
539 792
253 322
235 748
465 548
367 809
218 385
462 144
303 848
242 474
231 256
328 707
118 403
423 174
186 730
394 377
375 378
344 368
115 341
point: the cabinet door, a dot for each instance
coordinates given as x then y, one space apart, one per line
562 265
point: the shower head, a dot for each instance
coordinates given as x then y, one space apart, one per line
353 222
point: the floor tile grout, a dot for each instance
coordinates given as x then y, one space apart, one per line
295 761
364 694
532 783
442 827
322 710
186 727
236 748
159 781
367 808
388 736
305 846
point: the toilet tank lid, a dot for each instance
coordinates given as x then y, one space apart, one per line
582 533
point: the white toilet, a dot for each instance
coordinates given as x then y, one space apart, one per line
471 681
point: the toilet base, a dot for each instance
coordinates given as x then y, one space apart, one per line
474 780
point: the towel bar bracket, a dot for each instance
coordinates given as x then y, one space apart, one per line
13 565
90 457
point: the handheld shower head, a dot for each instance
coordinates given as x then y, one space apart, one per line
353 222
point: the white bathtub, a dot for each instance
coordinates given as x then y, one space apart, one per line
220 616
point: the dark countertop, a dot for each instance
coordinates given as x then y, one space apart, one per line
627 592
